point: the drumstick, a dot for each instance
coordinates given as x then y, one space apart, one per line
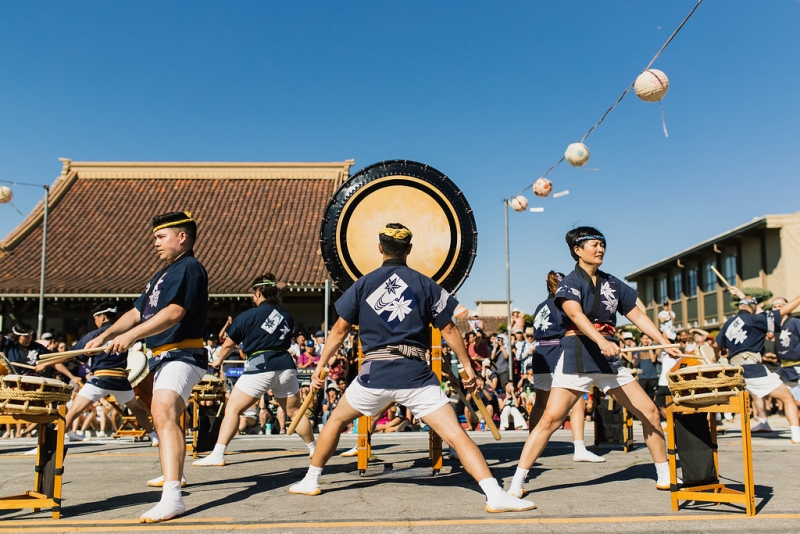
463 399
70 353
306 403
651 347
722 278
481 408
23 365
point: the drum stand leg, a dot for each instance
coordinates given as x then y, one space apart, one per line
434 440
364 451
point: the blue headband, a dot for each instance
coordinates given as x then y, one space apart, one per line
590 237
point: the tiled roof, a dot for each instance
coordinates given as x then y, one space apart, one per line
251 217
490 324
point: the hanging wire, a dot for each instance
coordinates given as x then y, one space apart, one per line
627 90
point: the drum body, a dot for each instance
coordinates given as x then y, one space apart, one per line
704 385
32 394
5 365
416 195
210 388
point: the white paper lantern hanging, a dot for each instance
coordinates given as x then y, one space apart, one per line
519 203
542 187
651 85
5 194
577 154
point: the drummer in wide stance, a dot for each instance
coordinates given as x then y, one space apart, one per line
394 306
265 333
742 337
590 300
108 377
171 317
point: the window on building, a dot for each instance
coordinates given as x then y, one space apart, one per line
661 288
691 280
709 278
729 265
676 285
647 291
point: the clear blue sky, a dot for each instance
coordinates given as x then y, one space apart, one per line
488 93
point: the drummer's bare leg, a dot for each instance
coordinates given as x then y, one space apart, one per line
237 403
638 403
304 429
78 406
167 409
783 394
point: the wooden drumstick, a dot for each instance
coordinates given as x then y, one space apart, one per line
651 347
306 403
70 354
481 408
23 365
722 278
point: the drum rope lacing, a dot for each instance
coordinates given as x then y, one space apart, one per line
8 394
679 384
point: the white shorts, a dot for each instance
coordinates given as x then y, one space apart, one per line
282 383
763 385
542 381
370 401
583 381
94 394
179 377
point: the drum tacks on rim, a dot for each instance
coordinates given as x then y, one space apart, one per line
703 385
32 394
414 194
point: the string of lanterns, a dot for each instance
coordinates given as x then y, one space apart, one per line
650 86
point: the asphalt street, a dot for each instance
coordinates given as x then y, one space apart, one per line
104 488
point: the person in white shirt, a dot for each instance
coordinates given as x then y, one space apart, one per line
665 318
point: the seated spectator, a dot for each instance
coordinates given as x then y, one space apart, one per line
393 420
487 395
248 422
509 404
330 401
489 375
309 357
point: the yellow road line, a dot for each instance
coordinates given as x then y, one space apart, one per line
32 522
207 524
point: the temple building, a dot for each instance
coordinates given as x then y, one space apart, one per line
252 218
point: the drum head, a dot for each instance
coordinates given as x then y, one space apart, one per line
445 237
137 367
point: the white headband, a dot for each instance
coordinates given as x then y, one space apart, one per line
107 310
18 333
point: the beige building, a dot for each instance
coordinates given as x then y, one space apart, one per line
763 253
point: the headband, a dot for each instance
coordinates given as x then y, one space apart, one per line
396 233
748 301
590 237
18 333
265 283
107 310
188 219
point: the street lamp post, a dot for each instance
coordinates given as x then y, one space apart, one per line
43 271
508 298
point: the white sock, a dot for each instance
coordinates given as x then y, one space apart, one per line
519 479
580 445
662 472
313 474
311 446
761 419
491 488
795 433
171 504
219 451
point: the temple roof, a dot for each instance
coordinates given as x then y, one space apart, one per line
251 218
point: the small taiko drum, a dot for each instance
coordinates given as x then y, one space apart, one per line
137 367
704 385
32 394
210 388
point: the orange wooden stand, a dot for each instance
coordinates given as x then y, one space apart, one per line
37 499
716 493
434 440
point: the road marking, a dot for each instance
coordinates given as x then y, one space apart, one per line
208 524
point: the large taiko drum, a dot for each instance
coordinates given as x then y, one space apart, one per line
414 194
704 385
32 394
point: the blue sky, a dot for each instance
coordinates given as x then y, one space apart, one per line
489 93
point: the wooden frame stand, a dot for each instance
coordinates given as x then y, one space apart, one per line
130 425
434 440
716 493
46 492
196 420
627 423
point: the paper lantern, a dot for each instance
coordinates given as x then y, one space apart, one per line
461 312
542 187
577 154
5 194
651 85
519 203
